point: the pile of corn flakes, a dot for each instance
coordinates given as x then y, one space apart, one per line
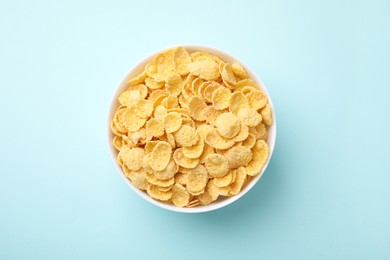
191 128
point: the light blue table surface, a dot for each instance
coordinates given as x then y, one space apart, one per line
325 194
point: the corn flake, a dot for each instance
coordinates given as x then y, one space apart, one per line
250 141
183 161
154 127
225 180
228 125
221 98
227 76
205 68
197 179
239 181
138 79
238 101
239 71
257 99
182 60
260 156
238 156
196 108
180 195
172 122
132 157
186 136
266 113
168 172
155 193
215 140
217 165
194 151
249 117
160 156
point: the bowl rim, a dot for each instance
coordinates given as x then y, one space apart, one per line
213 206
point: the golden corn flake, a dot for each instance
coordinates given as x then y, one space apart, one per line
170 102
238 101
205 68
257 99
132 157
141 88
184 161
144 108
206 151
227 76
247 89
260 157
250 141
194 151
164 189
173 85
215 140
182 60
196 85
162 66
228 125
181 178
117 141
197 179
160 111
243 134
155 193
212 190
221 98
193 203
129 97
138 79
196 107
118 123
191 128
138 179
150 145
224 180
259 131
203 129
217 165
266 113
246 83
238 156
186 136
249 117
132 121
160 183
200 55
154 127
168 172
160 156
172 122
188 121
202 87
180 195
152 84
208 92
239 71
205 198
171 139
239 181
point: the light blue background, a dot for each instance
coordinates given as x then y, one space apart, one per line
325 195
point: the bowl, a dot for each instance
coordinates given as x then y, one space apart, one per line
221 202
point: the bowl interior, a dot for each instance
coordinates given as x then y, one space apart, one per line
221 202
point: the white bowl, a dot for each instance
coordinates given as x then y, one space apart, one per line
221 202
